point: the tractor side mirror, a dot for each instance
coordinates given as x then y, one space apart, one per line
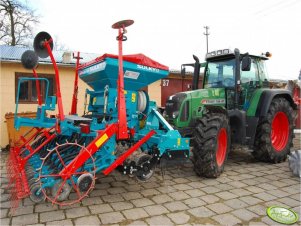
183 71
246 63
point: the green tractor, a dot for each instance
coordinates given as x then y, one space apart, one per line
234 106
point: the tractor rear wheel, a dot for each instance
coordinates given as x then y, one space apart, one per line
211 145
274 134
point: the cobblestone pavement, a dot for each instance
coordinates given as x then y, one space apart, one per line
239 197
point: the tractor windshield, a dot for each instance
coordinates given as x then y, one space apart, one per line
220 74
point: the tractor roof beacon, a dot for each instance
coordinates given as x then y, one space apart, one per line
234 105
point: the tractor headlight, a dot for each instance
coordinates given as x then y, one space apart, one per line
175 114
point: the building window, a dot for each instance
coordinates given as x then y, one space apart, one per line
28 89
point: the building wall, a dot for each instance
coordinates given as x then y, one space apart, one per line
154 92
7 92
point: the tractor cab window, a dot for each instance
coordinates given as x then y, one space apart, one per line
220 74
250 76
262 70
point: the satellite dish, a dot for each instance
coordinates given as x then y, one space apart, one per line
38 44
122 24
29 59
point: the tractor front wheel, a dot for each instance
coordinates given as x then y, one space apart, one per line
211 145
274 134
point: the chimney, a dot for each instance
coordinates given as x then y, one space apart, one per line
67 56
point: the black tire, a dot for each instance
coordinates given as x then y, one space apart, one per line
208 143
280 116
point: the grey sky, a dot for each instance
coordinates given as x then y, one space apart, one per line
171 31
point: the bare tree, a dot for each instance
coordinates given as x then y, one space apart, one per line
16 23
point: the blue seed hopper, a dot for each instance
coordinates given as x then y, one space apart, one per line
139 71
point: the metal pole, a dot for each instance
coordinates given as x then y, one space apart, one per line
207 34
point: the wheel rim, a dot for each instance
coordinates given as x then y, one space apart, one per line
280 131
222 143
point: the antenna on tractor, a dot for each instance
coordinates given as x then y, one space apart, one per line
122 122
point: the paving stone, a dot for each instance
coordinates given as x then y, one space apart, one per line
102 208
134 187
92 201
166 189
265 196
181 180
196 184
45 207
113 198
68 207
77 212
159 220
118 184
89 220
121 205
114 191
258 209
210 189
223 179
142 202
237 184
150 192
138 223
134 214
97 193
52 216
179 218
250 200
266 186
176 206
201 212
194 202
3 213
111 218
131 195
210 198
210 182
159 199
244 215
102 186
60 223
179 195
182 187
254 189
289 202
150 185
155 210
226 195
278 193
25 219
240 192
269 221
194 192
5 221
255 223
227 219
235 203
219 208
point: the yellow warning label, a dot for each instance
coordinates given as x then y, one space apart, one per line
94 101
133 97
101 140
179 142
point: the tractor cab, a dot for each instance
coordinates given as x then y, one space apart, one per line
239 74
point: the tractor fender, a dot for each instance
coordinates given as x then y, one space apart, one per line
268 95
